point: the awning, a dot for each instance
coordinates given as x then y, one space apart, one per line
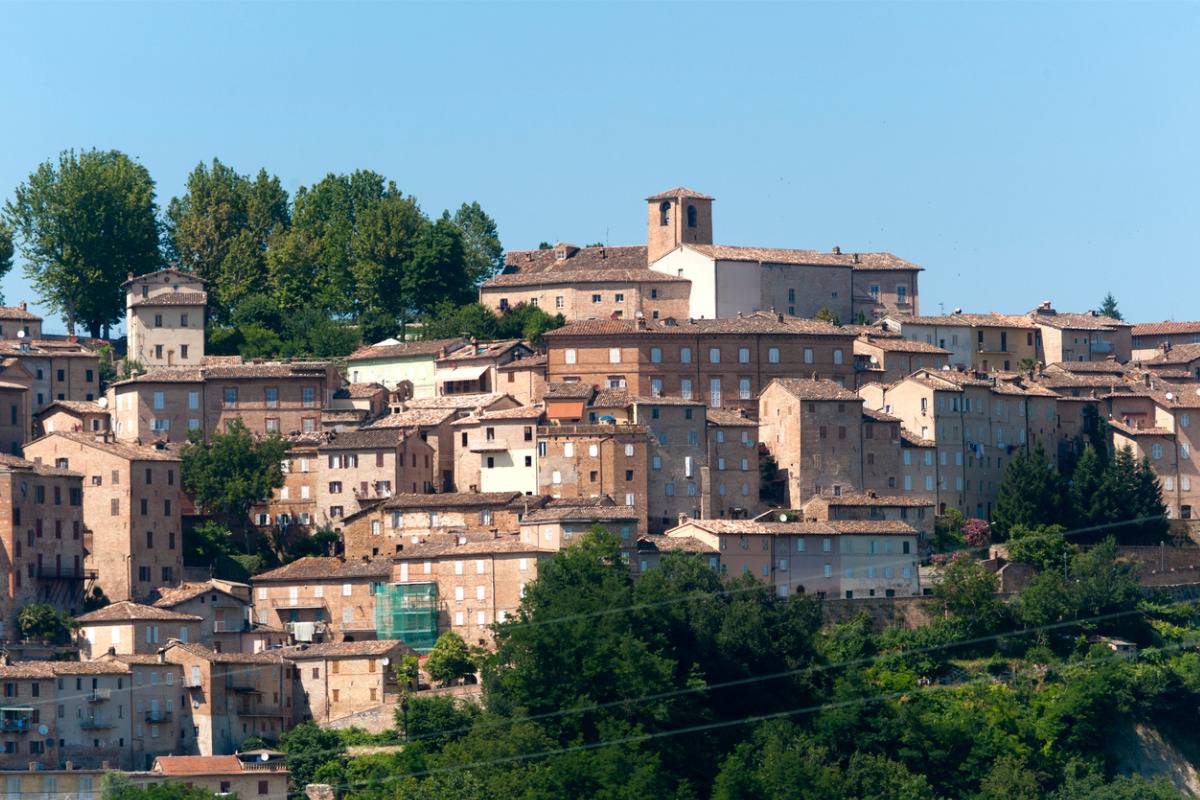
471 373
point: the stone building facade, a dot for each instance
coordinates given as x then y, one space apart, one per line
132 501
164 317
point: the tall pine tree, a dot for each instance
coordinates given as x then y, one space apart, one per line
1033 493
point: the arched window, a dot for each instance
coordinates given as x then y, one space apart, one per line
664 213
691 216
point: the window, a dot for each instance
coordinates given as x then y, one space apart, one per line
656 355
744 388
664 213
685 388
773 355
714 355
714 392
685 355
159 401
691 216
271 396
595 298
193 400
1156 451
743 355
569 356
614 355
837 356
808 355
230 397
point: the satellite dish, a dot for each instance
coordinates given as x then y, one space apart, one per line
20 334
264 756
102 402
945 367
783 517
1170 396
874 360
43 730
386 661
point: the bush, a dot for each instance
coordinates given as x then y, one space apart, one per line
44 622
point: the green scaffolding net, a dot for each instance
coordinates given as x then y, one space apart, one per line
408 612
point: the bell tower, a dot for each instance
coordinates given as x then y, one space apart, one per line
674 217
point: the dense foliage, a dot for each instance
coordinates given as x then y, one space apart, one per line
47 623
82 224
686 685
1106 495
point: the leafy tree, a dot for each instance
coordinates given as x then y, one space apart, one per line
95 599
116 786
447 321
232 471
1085 482
375 326
1032 493
947 531
1096 429
383 247
220 229
825 314
527 322
483 254
257 309
1043 546
6 251
258 342
44 622
1102 583
204 544
1108 307
82 225
437 271
308 747
332 340
1045 600
1128 501
252 743
968 591
436 720
449 661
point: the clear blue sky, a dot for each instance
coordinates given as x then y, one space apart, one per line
1019 152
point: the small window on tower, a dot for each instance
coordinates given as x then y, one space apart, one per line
691 216
664 213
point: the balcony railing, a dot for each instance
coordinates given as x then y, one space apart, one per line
159 716
15 725
94 724
99 695
236 626
48 573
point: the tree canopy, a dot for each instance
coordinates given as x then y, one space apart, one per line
82 224
230 471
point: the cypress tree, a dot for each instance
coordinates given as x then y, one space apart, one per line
1085 482
1032 494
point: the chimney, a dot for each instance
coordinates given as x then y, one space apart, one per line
856 258
641 322
21 305
837 251
69 765
682 518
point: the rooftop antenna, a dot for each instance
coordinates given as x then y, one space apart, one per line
941 309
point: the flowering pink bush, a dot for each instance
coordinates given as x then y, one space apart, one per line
977 532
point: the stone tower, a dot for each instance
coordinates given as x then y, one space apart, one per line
674 217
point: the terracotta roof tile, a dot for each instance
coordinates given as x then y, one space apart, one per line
780 255
17 312
198 765
456 401
450 500
1178 354
364 439
896 345
580 513
172 299
553 277
870 499
673 544
190 276
374 648
122 449
568 391
679 193
759 322
324 568
823 528
728 418
1165 328
168 598
477 543
808 389
127 611
414 418
1084 322
426 347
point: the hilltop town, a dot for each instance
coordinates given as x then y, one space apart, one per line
789 417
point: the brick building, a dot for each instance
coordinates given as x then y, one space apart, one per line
915 511
850 559
18 322
43 541
222 608
321 598
233 696
62 369
404 367
1148 339
886 359
472 367
16 416
723 363
126 628
984 342
1081 337
164 317
579 461
132 499
560 522
732 458
387 527
361 467
73 415
335 680
586 283
497 451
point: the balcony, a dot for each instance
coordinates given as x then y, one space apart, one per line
159 716
11 724
99 695
95 724
69 573
230 626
